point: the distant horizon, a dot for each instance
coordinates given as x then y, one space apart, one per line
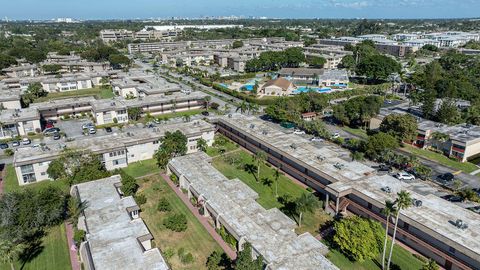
24 10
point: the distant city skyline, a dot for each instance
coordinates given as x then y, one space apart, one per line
143 9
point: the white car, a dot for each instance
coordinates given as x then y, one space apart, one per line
92 130
405 176
335 135
316 139
26 141
88 126
298 132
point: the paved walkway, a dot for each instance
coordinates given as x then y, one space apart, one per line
72 248
203 220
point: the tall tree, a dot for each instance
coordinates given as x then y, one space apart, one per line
245 261
403 201
307 202
173 144
402 126
260 157
9 252
387 211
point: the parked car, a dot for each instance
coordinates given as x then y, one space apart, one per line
88 126
92 130
36 145
108 129
49 125
3 145
51 131
205 113
15 143
50 121
316 139
298 132
335 135
475 209
447 177
387 189
26 141
56 136
405 176
453 198
384 168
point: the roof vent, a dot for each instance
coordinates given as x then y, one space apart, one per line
252 126
321 158
460 224
265 132
339 166
417 203
387 189
294 146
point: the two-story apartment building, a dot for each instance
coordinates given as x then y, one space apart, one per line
115 151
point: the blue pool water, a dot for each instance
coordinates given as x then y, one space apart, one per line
304 89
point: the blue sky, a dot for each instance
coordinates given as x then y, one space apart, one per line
124 9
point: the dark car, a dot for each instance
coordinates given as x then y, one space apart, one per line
3 146
108 129
447 177
56 136
205 113
453 198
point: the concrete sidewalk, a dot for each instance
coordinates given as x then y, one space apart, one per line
203 220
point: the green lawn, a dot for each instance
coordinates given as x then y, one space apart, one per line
195 239
311 221
180 114
463 166
356 131
141 168
54 254
217 150
100 93
11 183
401 258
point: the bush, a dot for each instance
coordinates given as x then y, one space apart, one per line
164 206
174 179
140 199
78 237
168 253
185 258
115 120
176 222
8 152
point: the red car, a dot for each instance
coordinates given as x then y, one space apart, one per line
49 125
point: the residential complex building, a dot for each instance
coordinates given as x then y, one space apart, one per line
231 204
433 227
461 141
115 151
277 87
116 236
320 77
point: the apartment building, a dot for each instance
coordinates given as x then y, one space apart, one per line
19 122
115 151
140 84
433 227
9 98
113 226
231 204
113 35
315 76
27 70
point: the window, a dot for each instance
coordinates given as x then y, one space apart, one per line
451 249
28 174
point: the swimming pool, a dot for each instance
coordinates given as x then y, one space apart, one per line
304 89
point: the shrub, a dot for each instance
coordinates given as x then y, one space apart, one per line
168 253
115 120
174 179
140 199
8 152
78 237
164 206
185 258
176 222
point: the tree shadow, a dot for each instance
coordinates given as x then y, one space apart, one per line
226 262
289 207
252 169
33 248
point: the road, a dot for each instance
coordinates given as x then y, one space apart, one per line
467 179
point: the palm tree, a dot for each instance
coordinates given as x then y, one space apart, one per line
389 210
75 209
403 201
187 118
305 203
242 107
207 101
252 108
9 252
276 174
260 156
